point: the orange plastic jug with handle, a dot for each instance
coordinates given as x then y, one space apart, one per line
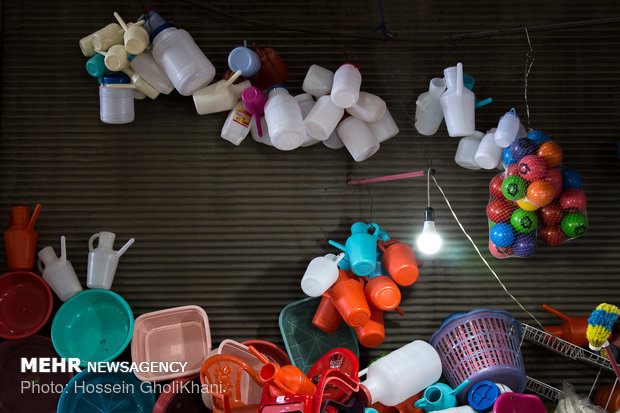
273 70
573 330
347 296
283 381
327 317
400 262
20 239
382 293
372 333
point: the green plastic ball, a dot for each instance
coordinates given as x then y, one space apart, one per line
524 221
514 188
491 224
574 224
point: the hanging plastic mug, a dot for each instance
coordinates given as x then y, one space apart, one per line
322 273
361 248
244 59
372 333
347 296
400 262
382 293
327 317
58 272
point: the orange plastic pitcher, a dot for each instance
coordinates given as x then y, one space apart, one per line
573 330
327 317
347 296
382 293
287 380
399 261
273 70
372 333
20 239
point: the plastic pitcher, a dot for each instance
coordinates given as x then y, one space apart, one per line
102 261
488 153
382 293
428 113
385 128
457 104
141 84
20 239
287 380
358 138
400 262
322 120
372 333
284 119
347 296
107 37
466 151
361 248
369 107
244 59
573 330
346 86
507 129
439 396
220 96
318 81
58 272
320 275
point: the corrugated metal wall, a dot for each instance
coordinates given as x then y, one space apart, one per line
232 228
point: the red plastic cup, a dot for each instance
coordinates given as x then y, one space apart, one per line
25 304
372 333
348 297
382 293
399 261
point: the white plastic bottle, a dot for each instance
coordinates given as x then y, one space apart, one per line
466 151
147 67
358 138
346 86
116 106
507 129
402 373
428 113
458 103
264 138
306 103
323 118
318 81
488 153
180 57
284 119
237 124
369 107
333 142
385 128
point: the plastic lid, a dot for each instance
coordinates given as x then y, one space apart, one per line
276 86
482 396
160 29
116 78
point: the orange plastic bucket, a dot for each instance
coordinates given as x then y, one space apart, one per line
348 297
399 261
382 293
327 317
372 333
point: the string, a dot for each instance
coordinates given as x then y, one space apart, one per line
529 62
482 257
428 187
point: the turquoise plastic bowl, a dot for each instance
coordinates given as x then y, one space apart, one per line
94 325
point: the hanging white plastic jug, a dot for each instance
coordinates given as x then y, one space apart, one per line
220 96
385 128
58 272
306 103
458 103
149 70
428 113
323 118
466 151
321 273
369 107
180 57
488 153
402 373
237 125
318 81
284 119
346 86
116 105
102 261
358 138
507 129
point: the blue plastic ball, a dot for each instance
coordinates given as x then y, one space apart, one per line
507 157
571 179
525 245
502 235
539 137
521 148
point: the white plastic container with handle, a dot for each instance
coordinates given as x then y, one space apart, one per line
507 129
103 260
220 96
428 113
323 118
488 154
458 103
284 119
58 272
466 151
318 81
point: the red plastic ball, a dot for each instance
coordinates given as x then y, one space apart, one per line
500 210
552 214
554 177
499 252
573 200
551 153
532 168
512 170
540 193
552 235
495 187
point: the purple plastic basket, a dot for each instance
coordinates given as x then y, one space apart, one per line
481 345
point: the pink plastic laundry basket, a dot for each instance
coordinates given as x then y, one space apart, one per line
481 345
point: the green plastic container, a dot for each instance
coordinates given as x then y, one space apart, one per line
94 325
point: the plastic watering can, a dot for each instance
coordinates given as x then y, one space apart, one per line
58 272
361 248
440 396
286 380
573 330
20 239
103 260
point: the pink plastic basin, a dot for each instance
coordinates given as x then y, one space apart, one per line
518 403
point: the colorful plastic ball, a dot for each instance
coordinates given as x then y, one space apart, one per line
499 252
532 168
514 188
523 221
495 187
573 200
525 245
513 170
499 210
521 148
523 203
540 193
552 214
554 177
502 235
507 157
552 235
574 224
551 153
571 179
491 224
539 137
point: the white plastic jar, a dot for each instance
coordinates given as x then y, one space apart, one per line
346 86
306 103
116 105
318 81
149 70
466 151
489 153
369 107
358 138
284 119
323 118
385 128
180 57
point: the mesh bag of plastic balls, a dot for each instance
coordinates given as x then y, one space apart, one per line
534 194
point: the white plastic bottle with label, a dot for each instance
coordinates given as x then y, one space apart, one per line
428 113
346 86
458 103
466 151
488 153
264 138
385 128
507 129
179 56
306 103
318 81
402 373
323 118
369 107
237 125
147 67
284 119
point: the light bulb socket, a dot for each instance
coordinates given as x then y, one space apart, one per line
429 214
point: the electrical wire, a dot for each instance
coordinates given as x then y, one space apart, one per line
529 62
428 187
482 257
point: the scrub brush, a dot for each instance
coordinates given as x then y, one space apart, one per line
600 324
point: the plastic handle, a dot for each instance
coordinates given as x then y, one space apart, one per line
33 218
337 245
339 258
125 247
259 128
91 240
121 86
120 21
377 230
556 312
421 403
40 265
63 249
258 355
385 244
483 102
232 78
459 79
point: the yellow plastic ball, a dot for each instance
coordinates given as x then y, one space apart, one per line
527 205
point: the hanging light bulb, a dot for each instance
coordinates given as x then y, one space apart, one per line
429 242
